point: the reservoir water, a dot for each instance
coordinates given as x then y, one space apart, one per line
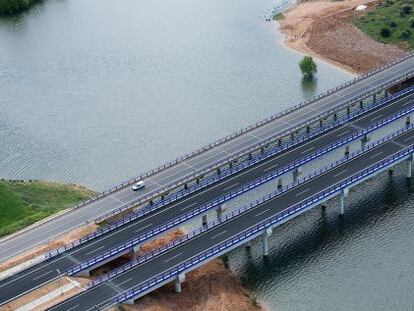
93 92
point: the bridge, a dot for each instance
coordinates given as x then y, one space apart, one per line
266 151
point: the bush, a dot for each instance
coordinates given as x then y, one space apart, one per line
406 9
392 24
385 32
406 34
411 22
308 67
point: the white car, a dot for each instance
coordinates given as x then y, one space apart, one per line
139 185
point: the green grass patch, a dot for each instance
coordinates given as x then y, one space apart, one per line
390 22
24 203
278 17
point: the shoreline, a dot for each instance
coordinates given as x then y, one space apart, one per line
322 29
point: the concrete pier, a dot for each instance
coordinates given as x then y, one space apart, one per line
179 279
265 241
409 167
204 220
342 196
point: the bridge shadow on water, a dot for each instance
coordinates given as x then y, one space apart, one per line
306 238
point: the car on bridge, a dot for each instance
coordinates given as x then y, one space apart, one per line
139 185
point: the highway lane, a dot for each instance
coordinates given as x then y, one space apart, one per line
47 271
73 219
102 293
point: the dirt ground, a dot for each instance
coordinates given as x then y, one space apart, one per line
41 249
209 288
321 28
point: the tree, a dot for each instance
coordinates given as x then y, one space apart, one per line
385 32
308 67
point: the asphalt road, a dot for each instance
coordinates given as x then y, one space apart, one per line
47 271
102 293
77 217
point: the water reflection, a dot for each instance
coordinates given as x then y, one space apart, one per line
309 85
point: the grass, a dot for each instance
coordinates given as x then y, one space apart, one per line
278 17
24 203
14 7
390 22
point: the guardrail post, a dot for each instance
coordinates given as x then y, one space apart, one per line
265 241
342 196
409 167
179 279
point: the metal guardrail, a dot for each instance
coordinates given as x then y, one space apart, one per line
243 209
253 231
244 130
207 182
128 244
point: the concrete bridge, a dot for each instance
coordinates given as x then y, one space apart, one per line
275 149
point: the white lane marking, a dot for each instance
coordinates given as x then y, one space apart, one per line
173 257
343 133
376 155
142 228
270 168
217 235
95 250
377 117
187 207
304 191
340 173
309 149
229 187
72 307
409 138
262 212
126 281
42 275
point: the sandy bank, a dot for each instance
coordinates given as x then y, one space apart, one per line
322 29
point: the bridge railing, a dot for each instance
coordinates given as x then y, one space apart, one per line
251 232
244 130
255 160
129 243
236 155
243 209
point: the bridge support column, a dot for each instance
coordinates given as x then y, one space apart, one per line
346 152
409 167
365 140
179 279
204 220
265 241
134 251
250 156
342 196
296 173
374 97
320 123
335 116
231 165
248 245
292 136
361 104
348 111
407 121
262 151
218 171
308 129
219 211
279 183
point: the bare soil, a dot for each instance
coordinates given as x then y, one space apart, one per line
322 29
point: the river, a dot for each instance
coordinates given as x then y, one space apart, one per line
93 92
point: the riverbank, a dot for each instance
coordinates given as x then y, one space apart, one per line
323 29
25 202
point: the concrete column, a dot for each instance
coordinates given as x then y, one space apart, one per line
219 211
308 129
279 183
335 116
250 156
365 140
320 123
248 245
197 181
135 250
361 104
348 111
374 97
292 136
218 171
346 152
408 121
185 186
265 241
409 167
204 220
262 150
342 196
296 173
386 94
231 165
179 279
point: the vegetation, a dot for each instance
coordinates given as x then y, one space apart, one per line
24 203
278 17
390 22
13 7
308 67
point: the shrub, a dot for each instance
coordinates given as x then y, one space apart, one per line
385 32
406 34
411 22
406 8
392 24
308 67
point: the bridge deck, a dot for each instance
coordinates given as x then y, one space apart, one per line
343 96
102 294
